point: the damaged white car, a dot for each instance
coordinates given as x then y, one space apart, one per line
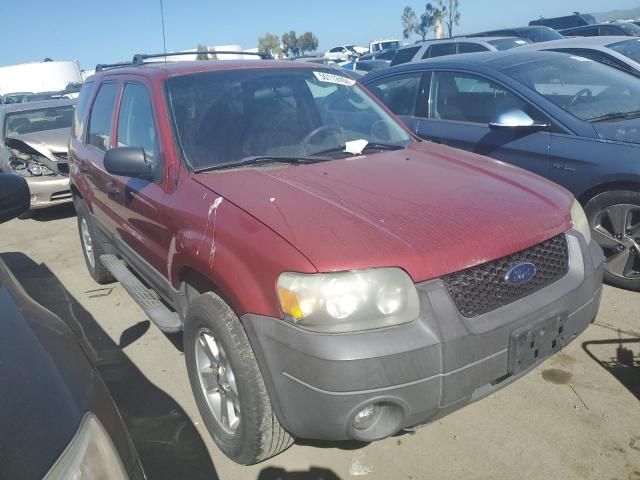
33 144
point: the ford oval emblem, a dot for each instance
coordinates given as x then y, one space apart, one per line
520 274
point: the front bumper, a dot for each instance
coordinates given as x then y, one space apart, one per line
419 371
48 191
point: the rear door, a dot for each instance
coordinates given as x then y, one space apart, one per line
459 108
139 202
400 93
98 140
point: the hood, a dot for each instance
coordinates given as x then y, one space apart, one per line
619 131
46 142
429 209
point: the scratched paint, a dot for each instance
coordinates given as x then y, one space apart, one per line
211 223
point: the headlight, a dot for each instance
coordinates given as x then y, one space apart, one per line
90 455
29 168
580 222
349 301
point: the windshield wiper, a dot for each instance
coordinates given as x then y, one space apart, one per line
369 146
615 116
263 159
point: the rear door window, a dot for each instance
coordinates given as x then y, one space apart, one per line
136 127
398 92
440 50
100 122
585 32
466 47
404 55
610 30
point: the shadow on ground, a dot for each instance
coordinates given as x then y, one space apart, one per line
624 365
314 473
168 443
57 212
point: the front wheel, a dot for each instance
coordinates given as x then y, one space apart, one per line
614 218
92 246
227 384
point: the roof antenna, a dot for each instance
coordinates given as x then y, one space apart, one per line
164 38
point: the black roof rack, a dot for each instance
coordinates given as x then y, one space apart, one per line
139 58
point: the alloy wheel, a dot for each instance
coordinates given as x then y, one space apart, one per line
617 230
217 381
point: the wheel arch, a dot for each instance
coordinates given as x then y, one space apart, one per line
609 186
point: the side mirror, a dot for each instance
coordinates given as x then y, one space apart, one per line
128 162
14 196
516 119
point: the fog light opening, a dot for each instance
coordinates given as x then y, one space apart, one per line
366 417
376 420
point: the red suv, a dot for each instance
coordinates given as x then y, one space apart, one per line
335 277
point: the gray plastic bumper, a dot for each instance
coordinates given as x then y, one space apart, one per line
422 370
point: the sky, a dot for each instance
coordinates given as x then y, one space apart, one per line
92 31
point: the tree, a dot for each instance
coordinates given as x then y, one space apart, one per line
270 43
203 52
450 13
409 22
290 44
307 42
427 20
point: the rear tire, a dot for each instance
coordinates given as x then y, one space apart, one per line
92 246
614 218
255 434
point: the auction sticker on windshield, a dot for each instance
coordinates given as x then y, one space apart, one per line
580 59
337 79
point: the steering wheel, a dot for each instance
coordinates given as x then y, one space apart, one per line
583 92
380 129
317 131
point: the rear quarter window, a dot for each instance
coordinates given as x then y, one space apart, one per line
79 116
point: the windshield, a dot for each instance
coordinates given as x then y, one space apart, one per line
584 88
541 34
628 48
630 29
508 43
31 121
224 117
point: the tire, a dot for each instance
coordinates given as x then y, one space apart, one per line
257 435
614 218
89 239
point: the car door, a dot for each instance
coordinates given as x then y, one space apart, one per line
459 109
400 93
139 201
98 140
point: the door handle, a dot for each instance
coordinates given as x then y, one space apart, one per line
112 190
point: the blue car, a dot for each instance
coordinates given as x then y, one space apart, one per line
565 117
